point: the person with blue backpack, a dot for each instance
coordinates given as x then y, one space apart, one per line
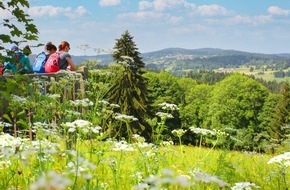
41 58
18 63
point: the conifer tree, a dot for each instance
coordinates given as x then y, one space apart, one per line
125 48
280 124
129 89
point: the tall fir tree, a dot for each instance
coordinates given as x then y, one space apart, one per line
280 124
125 48
129 89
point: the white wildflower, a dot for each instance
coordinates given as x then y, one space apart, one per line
166 143
122 146
245 186
51 180
126 118
4 164
283 159
178 132
114 106
207 178
197 130
104 102
138 138
53 96
81 167
83 102
18 99
167 106
164 115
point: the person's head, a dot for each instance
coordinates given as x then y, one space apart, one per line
27 50
50 48
64 46
14 48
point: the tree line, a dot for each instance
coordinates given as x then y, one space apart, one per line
253 113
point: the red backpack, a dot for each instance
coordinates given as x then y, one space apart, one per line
51 65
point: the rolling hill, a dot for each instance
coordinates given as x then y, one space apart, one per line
176 60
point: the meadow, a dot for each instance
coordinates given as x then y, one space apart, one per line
74 152
49 163
261 73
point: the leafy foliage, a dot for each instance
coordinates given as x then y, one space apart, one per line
19 25
280 124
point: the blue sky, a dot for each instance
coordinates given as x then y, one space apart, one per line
261 26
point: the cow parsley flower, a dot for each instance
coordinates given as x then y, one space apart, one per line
163 115
178 132
200 176
126 118
51 180
201 131
244 186
122 146
167 106
283 159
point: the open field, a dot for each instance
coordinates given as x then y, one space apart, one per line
49 164
260 73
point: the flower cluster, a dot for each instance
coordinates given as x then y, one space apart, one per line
178 132
244 186
82 103
163 115
83 126
200 176
51 180
166 178
125 118
81 167
201 131
167 106
122 146
283 159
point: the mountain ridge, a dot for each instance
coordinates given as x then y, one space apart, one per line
179 59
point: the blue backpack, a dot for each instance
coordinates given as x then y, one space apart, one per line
40 60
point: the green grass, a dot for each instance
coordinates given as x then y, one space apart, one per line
103 166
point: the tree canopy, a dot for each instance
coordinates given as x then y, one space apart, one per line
17 25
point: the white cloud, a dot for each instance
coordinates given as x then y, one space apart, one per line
77 13
274 10
189 29
51 11
162 5
189 5
141 15
105 3
175 19
239 19
212 10
143 5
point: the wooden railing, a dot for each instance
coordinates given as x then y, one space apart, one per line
79 87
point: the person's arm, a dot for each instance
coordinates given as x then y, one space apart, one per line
71 64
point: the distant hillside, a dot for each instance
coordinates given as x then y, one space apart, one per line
177 60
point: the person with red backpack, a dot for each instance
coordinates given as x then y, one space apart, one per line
60 60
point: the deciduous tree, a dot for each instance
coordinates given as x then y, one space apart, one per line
17 26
